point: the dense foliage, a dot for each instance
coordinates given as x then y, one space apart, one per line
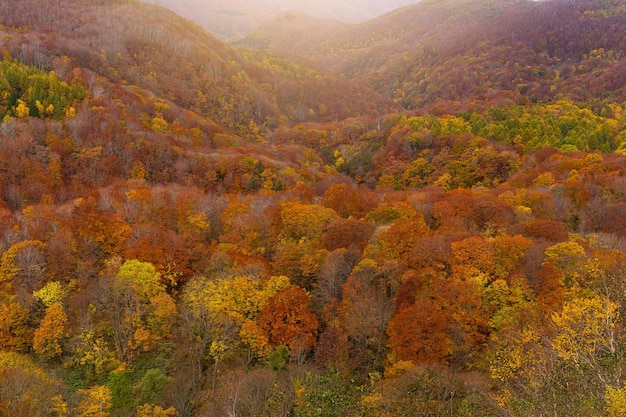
437 50
464 259
26 91
139 44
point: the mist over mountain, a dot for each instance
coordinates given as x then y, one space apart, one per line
452 50
423 214
233 19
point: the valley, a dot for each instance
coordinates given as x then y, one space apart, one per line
419 214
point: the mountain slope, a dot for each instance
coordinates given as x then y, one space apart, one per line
451 49
467 258
151 47
292 33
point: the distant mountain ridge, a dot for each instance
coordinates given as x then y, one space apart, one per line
233 19
191 228
150 47
447 49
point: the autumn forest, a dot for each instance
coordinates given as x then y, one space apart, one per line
419 215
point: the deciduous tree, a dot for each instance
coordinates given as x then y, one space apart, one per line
586 330
95 402
288 321
51 333
26 390
419 333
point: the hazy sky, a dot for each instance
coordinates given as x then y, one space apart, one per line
346 10
234 18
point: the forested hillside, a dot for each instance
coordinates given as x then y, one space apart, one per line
193 229
149 47
437 50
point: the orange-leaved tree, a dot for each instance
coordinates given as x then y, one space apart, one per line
49 337
419 333
288 321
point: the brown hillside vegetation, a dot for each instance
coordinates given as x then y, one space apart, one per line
139 44
175 240
453 50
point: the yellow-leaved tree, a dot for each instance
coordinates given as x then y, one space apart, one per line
615 401
139 309
586 331
49 336
220 315
149 410
96 402
52 293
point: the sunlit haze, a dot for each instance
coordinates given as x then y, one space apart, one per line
348 10
321 208
232 19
